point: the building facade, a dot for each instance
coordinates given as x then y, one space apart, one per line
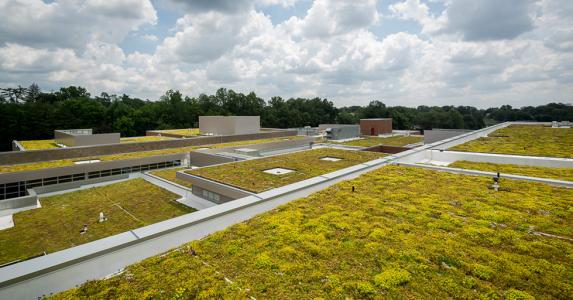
229 125
375 126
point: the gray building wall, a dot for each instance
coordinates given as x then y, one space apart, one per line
16 184
20 157
199 159
225 192
84 137
227 125
198 191
434 135
340 132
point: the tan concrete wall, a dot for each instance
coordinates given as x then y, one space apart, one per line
227 125
20 157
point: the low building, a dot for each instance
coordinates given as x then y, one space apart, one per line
340 131
435 135
229 125
84 137
376 126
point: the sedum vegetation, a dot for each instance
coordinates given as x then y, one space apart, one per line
56 225
249 175
181 132
171 175
398 140
130 155
137 139
405 233
543 172
534 140
39 144
51 144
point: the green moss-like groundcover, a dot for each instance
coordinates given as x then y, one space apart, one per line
56 225
249 175
534 140
405 233
389 141
543 172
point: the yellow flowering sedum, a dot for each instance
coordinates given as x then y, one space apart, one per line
533 140
443 236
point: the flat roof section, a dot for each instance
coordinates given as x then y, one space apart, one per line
250 176
186 132
56 225
51 144
369 141
392 232
531 140
39 144
131 155
532 171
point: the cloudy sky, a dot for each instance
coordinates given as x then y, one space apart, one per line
434 52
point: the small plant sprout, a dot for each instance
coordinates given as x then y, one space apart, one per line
85 229
496 182
102 217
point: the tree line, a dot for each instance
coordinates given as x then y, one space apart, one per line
28 113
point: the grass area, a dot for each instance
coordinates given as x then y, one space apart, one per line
398 140
56 225
170 175
181 132
249 175
137 139
38 144
130 155
534 140
543 172
405 233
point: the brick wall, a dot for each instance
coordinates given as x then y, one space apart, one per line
375 126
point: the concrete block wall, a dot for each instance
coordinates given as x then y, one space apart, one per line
20 157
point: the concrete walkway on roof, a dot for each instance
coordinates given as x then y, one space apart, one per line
187 197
